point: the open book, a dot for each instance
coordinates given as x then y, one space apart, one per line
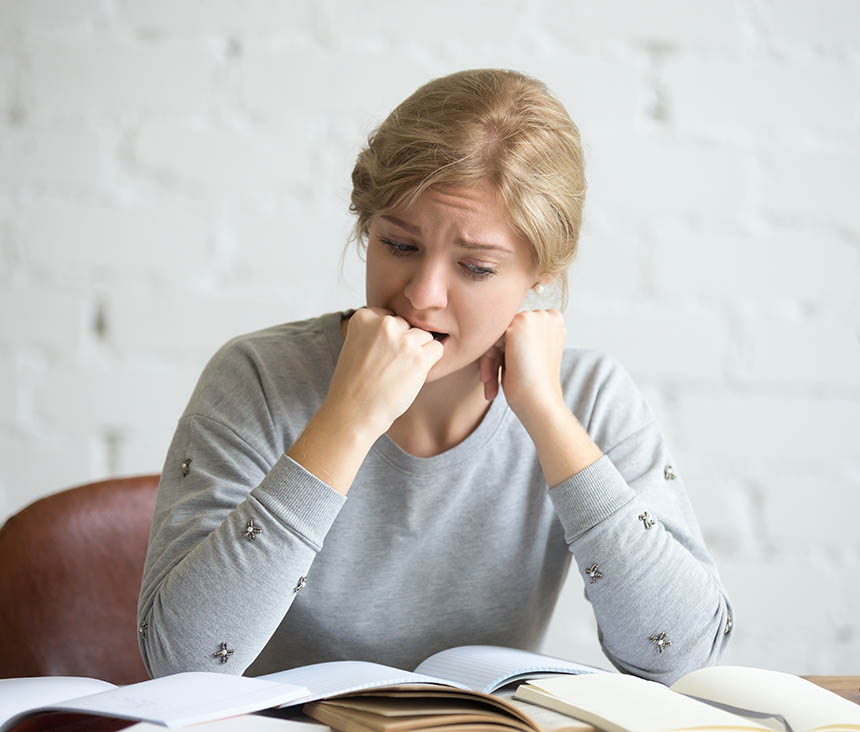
172 701
462 694
716 697
188 698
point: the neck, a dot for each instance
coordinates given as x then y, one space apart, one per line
444 413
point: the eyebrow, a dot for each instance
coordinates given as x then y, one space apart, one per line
459 240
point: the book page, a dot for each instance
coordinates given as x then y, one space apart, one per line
548 720
20 695
622 703
243 723
437 694
408 706
802 704
348 720
184 698
487 668
406 715
344 677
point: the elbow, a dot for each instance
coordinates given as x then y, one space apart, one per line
705 643
699 643
170 648
164 659
716 636
153 672
156 660
160 656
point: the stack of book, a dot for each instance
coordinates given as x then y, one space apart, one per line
465 689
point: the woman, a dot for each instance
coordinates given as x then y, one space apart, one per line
384 483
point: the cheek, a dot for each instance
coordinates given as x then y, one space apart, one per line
377 277
486 319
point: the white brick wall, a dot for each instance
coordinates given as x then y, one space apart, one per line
97 77
174 173
67 161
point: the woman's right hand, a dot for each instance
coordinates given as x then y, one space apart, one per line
383 364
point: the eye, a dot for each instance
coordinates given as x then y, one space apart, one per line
475 272
472 271
396 248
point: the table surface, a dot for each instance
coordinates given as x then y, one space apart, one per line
846 686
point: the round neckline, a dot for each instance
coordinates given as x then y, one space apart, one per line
451 458
406 462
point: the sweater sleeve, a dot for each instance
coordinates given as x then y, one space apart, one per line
661 609
234 533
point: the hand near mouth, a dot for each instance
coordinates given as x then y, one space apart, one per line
382 366
529 354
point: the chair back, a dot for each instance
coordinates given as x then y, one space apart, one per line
70 571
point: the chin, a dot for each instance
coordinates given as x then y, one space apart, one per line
442 370
436 373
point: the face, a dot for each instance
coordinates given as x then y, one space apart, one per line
450 264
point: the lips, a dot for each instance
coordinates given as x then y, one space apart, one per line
438 335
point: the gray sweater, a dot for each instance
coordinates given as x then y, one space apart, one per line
255 565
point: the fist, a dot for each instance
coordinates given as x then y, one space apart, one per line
382 366
529 354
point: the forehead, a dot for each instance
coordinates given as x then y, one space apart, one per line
471 218
478 203
474 211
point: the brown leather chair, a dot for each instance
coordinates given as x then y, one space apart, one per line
70 571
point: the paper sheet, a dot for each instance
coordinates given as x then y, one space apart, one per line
486 668
19 695
621 702
801 703
342 677
186 698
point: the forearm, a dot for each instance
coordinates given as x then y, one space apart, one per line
652 593
226 589
563 446
651 575
381 368
213 577
333 446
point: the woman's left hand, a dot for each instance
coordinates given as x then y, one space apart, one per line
530 354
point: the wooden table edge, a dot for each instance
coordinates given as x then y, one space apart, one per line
847 687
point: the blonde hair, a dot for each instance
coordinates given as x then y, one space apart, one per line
480 125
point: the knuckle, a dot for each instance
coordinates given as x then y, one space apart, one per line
419 336
415 357
363 315
389 325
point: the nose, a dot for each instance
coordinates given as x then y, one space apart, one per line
427 288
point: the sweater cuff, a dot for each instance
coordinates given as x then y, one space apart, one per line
304 502
593 494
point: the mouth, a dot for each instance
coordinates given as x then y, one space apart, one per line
438 335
